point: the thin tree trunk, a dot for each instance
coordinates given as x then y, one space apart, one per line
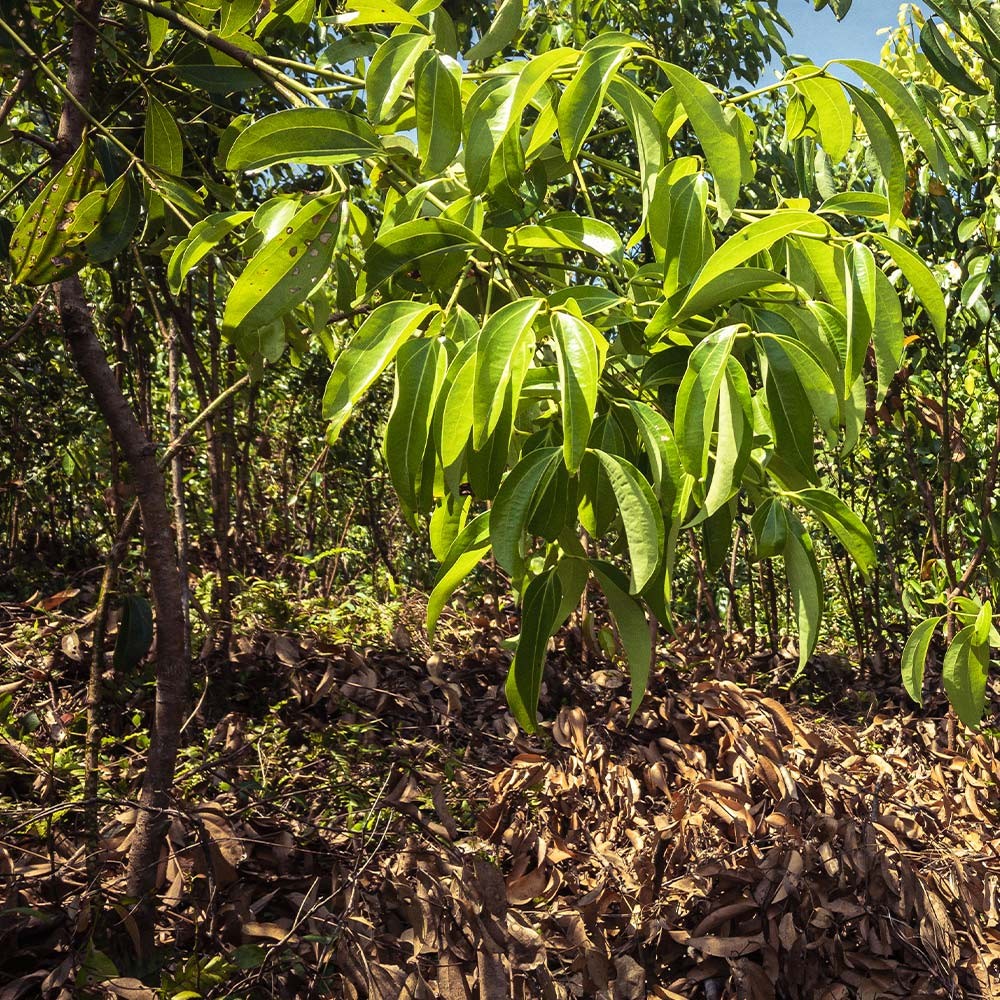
161 554
177 483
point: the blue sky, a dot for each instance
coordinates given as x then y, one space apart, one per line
820 36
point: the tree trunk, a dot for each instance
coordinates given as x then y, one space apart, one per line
161 554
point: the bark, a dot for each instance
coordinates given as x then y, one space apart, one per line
161 555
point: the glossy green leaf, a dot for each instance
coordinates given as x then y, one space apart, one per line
640 515
364 12
502 358
200 242
887 334
314 136
734 439
446 523
568 231
119 222
581 102
501 32
983 625
698 398
631 626
390 71
539 608
438 104
791 416
580 352
455 404
940 55
420 370
370 349
751 240
806 585
864 203
661 451
285 270
852 532
963 673
836 122
717 138
516 502
895 94
732 285
637 110
678 227
915 657
770 528
921 279
417 245
884 142
162 145
465 553
860 289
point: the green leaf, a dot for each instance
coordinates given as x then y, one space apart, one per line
472 543
640 515
119 223
844 523
770 528
420 370
438 102
200 242
314 136
751 240
135 633
446 523
734 439
502 358
501 32
581 102
884 142
940 55
860 288
580 352
836 122
631 625
895 94
725 288
417 244
162 144
698 398
362 12
390 71
568 231
887 335
963 673
38 250
372 348
661 450
717 137
455 404
285 270
915 656
637 110
539 609
806 585
678 227
921 280
157 28
982 625
516 503
864 203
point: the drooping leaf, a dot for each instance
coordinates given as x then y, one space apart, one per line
438 103
921 279
853 533
885 145
860 285
887 335
915 657
580 350
502 358
539 608
518 499
200 242
963 673
640 515
631 625
135 633
940 55
501 32
314 136
734 439
836 122
372 348
770 528
806 585
420 370
472 543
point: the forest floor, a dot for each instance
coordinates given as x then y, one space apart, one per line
353 821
